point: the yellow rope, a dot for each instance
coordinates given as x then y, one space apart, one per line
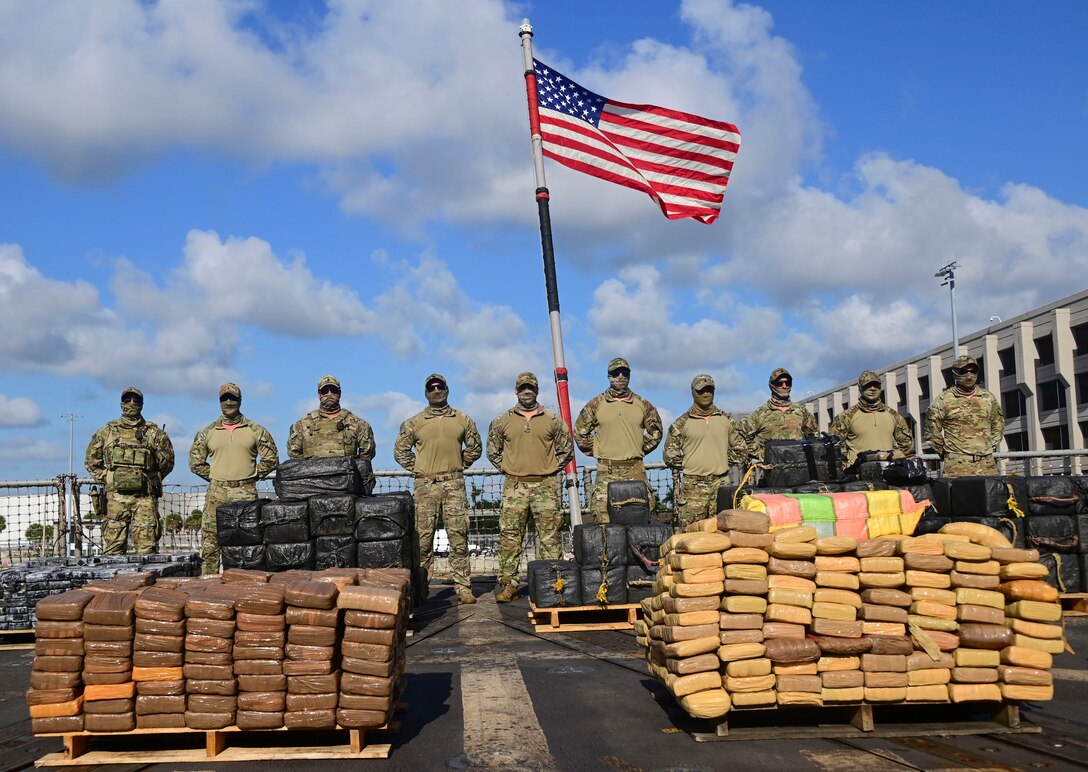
740 487
558 586
1014 507
602 591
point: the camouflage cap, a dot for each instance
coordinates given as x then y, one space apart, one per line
328 380
132 390
230 388
701 381
867 377
618 362
526 379
435 377
963 361
777 373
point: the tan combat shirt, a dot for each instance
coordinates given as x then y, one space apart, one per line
233 453
437 436
703 446
528 446
614 429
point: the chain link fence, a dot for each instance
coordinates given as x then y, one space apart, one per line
60 516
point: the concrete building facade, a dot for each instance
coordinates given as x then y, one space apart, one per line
1035 363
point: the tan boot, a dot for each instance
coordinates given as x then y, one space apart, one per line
465 596
508 593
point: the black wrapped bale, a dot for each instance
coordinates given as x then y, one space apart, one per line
604 586
380 518
905 471
644 543
285 522
600 544
796 462
239 524
1065 573
942 495
924 492
1050 495
335 552
555 583
301 478
931 524
1082 532
726 493
640 583
332 515
1012 528
365 471
1052 533
978 497
1082 561
389 553
245 556
1080 481
628 502
284 557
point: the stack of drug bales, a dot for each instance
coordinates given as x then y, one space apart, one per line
249 649
958 616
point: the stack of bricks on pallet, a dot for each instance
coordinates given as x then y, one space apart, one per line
247 649
743 617
22 586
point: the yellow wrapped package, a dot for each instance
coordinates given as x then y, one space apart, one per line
785 582
976 657
746 570
1049 645
681 686
744 604
748 668
979 567
701 575
1025 676
885 694
787 550
1014 555
753 699
799 699
1029 589
794 669
796 534
887 514
680 561
696 543
928 579
700 663
933 623
845 695
841 580
797 615
931 608
881 580
1021 656
883 628
707 525
947 597
1034 611
990 598
831 595
965 550
974 693
789 597
1012 571
681 590
974 675
745 555
837 611
889 565
931 677
837 563
711 703
750 684
929 693
915 546
1034 629
977 532
838 665
1024 692
836 545
692 618
737 651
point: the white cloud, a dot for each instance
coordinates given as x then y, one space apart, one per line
20 412
21 449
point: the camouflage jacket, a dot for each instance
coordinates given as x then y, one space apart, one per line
615 444
682 444
537 444
160 461
971 425
233 463
430 442
315 436
901 437
769 423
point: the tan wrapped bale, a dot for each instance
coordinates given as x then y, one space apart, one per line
1027 693
921 562
988 615
744 539
1013 571
692 648
754 699
675 634
691 618
846 695
842 679
728 621
1014 555
929 693
748 668
726 637
802 568
799 699
967 551
885 694
871 612
942 639
919 660
1025 676
974 692
977 567
1035 629
783 630
874 580
744 604
1034 611
977 532
883 596
1021 656
749 684
1029 589
795 534
707 525
786 582
965 657
931 677
883 679
743 520
700 575
931 608
798 683
684 590
671 605
745 555
974 675
836 545
785 597
750 571
976 581
989 598
844 597
883 628
914 546
837 628
837 563
927 579
711 703
888 565
682 685
700 663
738 651
833 664
797 615
1049 645
933 623
746 586
841 580
682 561
882 547
836 611
696 543
947 597
889 663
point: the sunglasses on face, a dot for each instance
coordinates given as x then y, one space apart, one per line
526 387
229 398
705 390
436 387
132 398
328 390
966 371
872 386
783 382
620 372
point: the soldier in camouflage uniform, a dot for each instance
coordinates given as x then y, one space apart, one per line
618 428
701 445
129 458
225 453
965 424
872 425
777 419
438 444
330 430
530 444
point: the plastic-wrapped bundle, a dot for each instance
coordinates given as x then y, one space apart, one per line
382 518
285 522
1046 495
604 586
628 502
978 497
390 553
332 515
300 478
1052 533
238 524
250 558
555 583
287 556
603 544
796 462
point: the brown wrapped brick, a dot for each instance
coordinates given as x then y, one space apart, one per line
58 629
160 688
248 622
150 704
743 520
877 548
113 707
115 609
870 612
108 632
171 643
367 667
316 684
63 607
224 688
247 719
242 653
161 721
361 719
264 702
798 683
47 696
58 664
310 719
259 667
351 683
891 644
312 616
212 703
744 539
208 721
977 581
157 659
920 562
980 636
208 672
791 650
303 667
58 647
262 683
783 630
803 568
275 638
727 621
245 575
109 722
261 599
842 679
157 627
57 725
98 679
218 628
842 580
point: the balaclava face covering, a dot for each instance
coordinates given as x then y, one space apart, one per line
965 381
330 402
870 397
231 409
703 402
527 398
131 413
619 385
439 398
780 395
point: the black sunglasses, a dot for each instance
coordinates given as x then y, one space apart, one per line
620 371
783 382
436 387
230 398
705 390
964 370
328 390
132 398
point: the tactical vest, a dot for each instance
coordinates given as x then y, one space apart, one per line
325 438
129 462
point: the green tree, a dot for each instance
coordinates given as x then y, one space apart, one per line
192 522
34 532
3 523
172 522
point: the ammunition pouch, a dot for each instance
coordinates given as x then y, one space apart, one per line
130 467
128 479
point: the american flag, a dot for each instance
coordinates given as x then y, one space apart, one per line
680 160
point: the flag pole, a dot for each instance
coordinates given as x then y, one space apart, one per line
525 32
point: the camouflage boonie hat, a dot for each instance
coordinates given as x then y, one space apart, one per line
963 361
435 377
328 380
132 390
230 388
618 362
867 377
702 381
526 379
777 373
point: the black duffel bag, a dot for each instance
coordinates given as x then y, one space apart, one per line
600 544
301 478
285 522
604 586
285 557
628 502
796 462
378 518
387 553
243 556
555 583
332 515
1052 533
335 552
1045 495
238 524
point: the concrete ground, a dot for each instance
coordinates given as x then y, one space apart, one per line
487 691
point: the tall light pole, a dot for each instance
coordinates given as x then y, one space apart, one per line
948 273
69 537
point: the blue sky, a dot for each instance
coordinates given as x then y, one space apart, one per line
264 192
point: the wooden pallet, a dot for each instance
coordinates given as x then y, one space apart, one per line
1074 604
865 720
11 640
230 744
566 619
